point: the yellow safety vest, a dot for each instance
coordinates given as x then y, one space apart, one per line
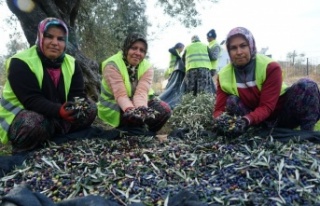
108 109
172 64
214 63
197 56
10 105
227 78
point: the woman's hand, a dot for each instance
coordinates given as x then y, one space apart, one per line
66 113
229 125
132 115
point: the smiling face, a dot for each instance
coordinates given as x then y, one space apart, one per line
239 50
54 42
136 53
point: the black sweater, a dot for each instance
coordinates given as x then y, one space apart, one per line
48 99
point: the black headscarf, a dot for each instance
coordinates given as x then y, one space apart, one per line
129 41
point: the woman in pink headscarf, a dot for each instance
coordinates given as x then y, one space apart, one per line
251 86
43 81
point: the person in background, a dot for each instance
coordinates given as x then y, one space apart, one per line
214 51
175 88
127 100
174 58
252 87
198 77
38 97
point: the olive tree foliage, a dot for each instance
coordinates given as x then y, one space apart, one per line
103 25
185 11
15 44
67 10
97 28
13 47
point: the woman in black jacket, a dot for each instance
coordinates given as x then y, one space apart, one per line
38 97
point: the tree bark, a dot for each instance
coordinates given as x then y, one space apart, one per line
67 11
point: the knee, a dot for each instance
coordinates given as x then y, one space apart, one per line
306 84
29 120
162 112
93 111
166 108
28 130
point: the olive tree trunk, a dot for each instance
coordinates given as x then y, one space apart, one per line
67 11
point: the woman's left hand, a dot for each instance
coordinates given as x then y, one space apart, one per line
241 125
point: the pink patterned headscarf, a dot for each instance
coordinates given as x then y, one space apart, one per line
247 35
43 27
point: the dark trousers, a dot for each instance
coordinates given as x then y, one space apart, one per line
301 108
30 129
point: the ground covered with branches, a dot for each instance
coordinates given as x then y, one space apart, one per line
248 170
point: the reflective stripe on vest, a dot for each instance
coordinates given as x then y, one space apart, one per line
9 107
228 81
197 56
109 104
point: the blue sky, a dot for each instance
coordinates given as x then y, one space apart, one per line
281 25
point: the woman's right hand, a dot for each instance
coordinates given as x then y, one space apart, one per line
67 112
133 115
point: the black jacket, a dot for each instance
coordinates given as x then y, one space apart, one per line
48 99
